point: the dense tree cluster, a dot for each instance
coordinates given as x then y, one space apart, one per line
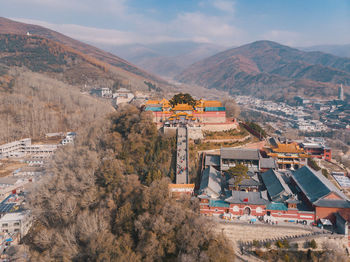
36 104
96 205
183 99
238 172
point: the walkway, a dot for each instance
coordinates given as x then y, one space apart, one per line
182 156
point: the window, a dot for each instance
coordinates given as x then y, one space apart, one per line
5 225
16 224
16 230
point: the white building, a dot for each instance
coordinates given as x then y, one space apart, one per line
17 222
102 92
69 139
123 95
15 149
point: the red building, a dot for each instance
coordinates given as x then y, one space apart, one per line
320 194
317 150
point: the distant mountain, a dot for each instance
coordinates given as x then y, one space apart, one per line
118 65
165 59
338 50
268 69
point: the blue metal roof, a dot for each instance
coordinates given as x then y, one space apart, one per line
5 208
211 109
310 183
277 206
218 203
153 109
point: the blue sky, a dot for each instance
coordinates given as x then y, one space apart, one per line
223 22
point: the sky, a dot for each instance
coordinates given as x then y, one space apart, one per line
224 22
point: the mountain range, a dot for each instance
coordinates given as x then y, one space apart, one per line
338 50
165 59
269 69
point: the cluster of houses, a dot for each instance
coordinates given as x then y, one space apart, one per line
28 158
34 154
279 186
120 96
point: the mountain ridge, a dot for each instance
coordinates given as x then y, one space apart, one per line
264 65
8 26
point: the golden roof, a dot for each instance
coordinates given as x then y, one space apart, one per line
212 103
288 148
181 185
152 102
182 107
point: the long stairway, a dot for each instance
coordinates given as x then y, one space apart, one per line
182 156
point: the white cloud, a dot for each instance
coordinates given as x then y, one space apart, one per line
225 6
88 34
206 28
282 36
105 6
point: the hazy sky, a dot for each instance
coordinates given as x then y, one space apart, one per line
224 22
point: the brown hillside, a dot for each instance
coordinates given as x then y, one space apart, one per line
268 69
123 67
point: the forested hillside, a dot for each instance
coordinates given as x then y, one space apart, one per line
32 104
96 205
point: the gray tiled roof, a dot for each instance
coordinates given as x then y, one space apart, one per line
254 198
249 181
275 184
267 163
239 153
211 182
314 185
212 160
332 203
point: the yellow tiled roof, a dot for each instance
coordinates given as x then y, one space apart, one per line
212 103
152 102
288 148
182 107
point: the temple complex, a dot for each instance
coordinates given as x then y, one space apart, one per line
205 111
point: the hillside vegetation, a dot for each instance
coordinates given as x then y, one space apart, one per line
121 67
32 104
268 69
95 208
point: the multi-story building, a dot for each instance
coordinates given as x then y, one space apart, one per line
317 150
230 157
16 222
15 149
288 155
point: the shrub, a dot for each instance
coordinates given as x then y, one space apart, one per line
279 244
267 244
285 243
312 163
313 244
256 243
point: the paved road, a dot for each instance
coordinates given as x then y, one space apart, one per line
182 156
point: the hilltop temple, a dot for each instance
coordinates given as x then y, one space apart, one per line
205 111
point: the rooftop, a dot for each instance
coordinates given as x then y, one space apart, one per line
275 184
288 148
182 107
254 198
239 153
314 185
211 182
212 160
